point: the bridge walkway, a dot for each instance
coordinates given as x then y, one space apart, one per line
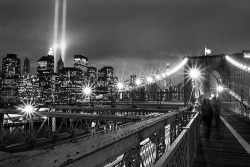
239 122
223 149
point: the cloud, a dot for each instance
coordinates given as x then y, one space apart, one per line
128 34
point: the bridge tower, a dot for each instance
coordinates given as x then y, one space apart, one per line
209 66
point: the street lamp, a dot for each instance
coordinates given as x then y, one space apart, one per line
138 82
194 74
149 79
29 109
87 91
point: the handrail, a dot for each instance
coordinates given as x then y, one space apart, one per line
182 150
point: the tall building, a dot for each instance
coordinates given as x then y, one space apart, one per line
81 62
68 85
92 75
132 80
105 80
10 77
28 87
60 64
26 66
46 76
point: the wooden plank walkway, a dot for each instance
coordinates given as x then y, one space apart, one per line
222 150
240 123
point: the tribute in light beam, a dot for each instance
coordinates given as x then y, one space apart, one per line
63 42
55 31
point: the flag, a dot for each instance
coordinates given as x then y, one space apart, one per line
207 51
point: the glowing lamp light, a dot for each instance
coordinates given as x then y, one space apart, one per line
149 79
194 73
87 90
137 82
212 95
157 76
219 88
119 85
163 75
168 73
28 108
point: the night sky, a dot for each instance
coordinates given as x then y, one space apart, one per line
130 35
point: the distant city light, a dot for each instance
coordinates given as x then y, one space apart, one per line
50 51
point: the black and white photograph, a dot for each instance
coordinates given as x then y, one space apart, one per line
124 83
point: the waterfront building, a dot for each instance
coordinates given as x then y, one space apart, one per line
105 80
10 76
92 75
81 62
68 87
46 76
28 88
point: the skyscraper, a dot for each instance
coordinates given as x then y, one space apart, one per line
10 76
26 66
60 64
105 80
81 62
45 74
92 75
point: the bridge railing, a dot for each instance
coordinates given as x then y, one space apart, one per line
182 150
237 107
149 151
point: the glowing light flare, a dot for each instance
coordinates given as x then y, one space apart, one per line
138 82
237 64
119 85
149 79
219 88
157 77
50 51
28 108
194 73
163 75
87 90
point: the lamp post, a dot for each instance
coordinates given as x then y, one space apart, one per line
158 77
87 92
194 74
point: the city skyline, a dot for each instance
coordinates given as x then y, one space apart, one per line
129 36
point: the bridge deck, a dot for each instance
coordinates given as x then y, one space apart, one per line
223 149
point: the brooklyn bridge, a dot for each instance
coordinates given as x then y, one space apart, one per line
140 128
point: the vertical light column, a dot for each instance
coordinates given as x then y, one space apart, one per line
55 31
63 42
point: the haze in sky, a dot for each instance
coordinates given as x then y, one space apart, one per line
130 35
